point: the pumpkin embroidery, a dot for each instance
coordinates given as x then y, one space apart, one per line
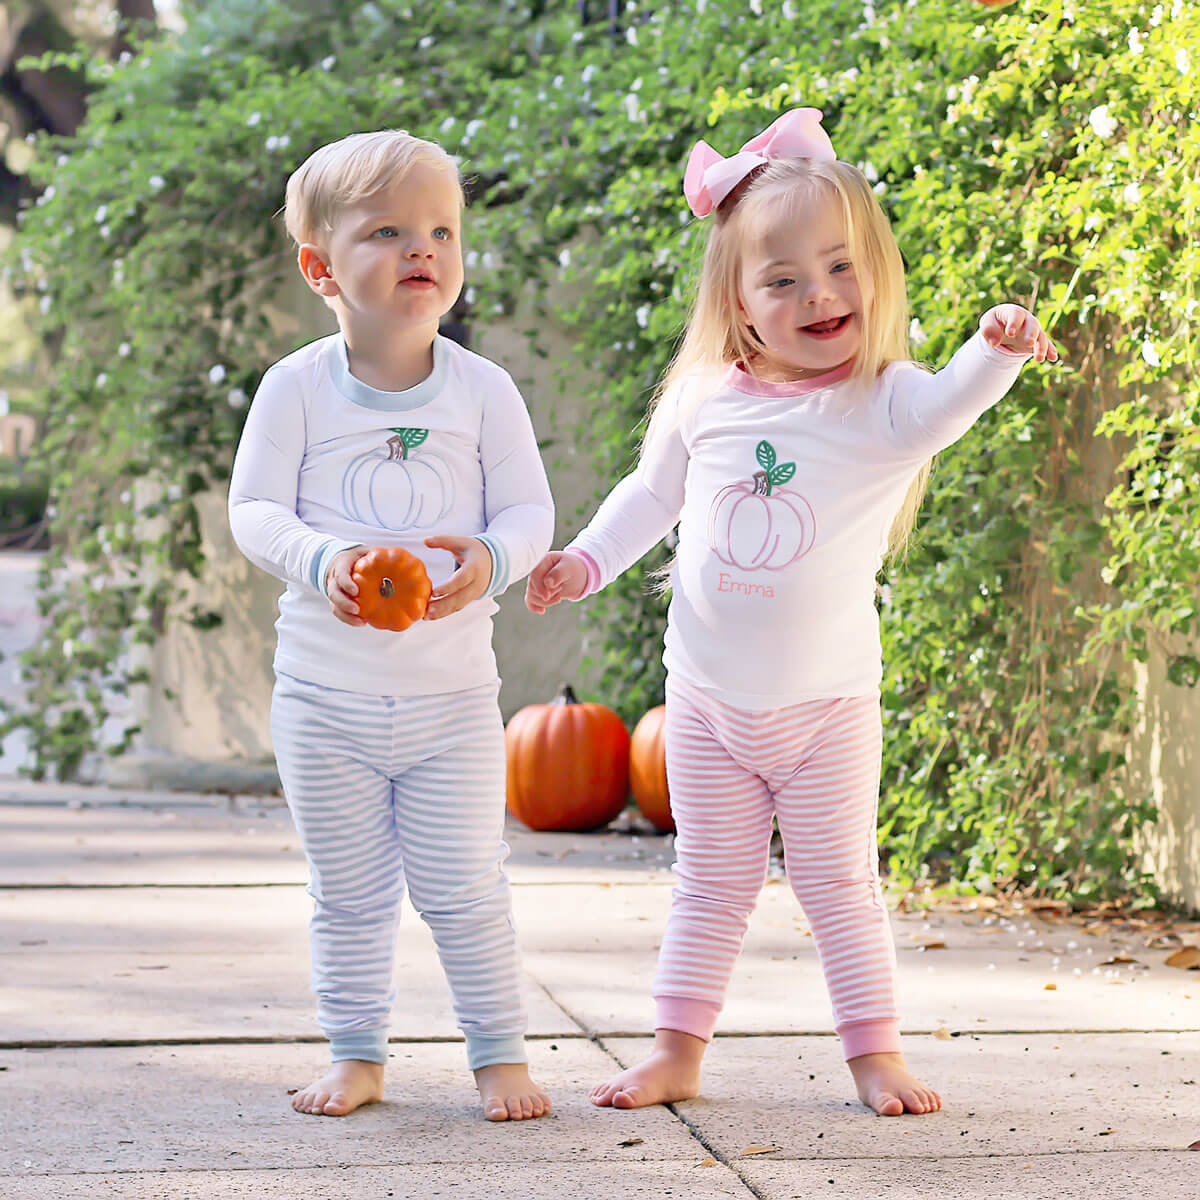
757 525
387 488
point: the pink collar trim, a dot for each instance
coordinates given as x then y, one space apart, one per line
742 381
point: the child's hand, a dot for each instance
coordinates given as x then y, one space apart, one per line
1016 328
468 583
340 586
557 577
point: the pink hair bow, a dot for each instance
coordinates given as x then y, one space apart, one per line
709 178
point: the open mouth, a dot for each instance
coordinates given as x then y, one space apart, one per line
418 278
827 328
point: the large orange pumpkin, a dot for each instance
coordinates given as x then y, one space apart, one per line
393 588
648 770
568 764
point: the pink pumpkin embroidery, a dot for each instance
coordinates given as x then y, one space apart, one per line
755 525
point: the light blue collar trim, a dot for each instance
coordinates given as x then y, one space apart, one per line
362 393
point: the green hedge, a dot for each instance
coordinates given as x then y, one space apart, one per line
1042 152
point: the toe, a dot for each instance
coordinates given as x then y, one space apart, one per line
603 1095
513 1104
888 1105
630 1097
338 1105
494 1109
526 1107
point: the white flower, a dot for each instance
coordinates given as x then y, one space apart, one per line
101 379
869 15
101 213
3 402
68 648
174 492
1132 193
631 35
879 188
125 497
123 349
473 127
564 258
788 10
104 231
1156 16
1183 61
47 195
488 261
426 42
44 305
643 316
755 7
871 174
1101 121
472 258
216 373
157 183
1136 45
632 109
1150 354
447 125
327 63
236 398
588 73
469 295
916 334
253 119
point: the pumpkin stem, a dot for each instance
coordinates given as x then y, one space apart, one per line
397 450
566 695
762 483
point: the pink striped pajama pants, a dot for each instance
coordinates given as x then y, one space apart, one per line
815 767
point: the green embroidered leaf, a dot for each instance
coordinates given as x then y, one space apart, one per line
412 437
766 455
781 473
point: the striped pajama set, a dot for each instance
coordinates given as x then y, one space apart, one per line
390 745
784 495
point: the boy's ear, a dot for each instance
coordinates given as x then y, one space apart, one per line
314 266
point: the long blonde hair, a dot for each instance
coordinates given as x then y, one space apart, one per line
715 336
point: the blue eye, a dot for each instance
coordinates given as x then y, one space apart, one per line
842 266
386 231
780 283
442 233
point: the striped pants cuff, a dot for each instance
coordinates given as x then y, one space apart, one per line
487 1049
366 1045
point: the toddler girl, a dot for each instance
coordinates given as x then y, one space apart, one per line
789 442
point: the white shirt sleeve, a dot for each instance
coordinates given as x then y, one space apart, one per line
518 507
642 509
262 488
925 413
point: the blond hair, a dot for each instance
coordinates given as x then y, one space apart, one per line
715 336
351 169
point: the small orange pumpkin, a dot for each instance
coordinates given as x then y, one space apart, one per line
568 764
648 770
393 588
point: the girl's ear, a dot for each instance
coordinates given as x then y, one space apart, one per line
314 266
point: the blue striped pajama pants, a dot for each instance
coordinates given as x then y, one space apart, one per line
389 792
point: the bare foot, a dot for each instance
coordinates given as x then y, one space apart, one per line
347 1085
508 1094
886 1085
672 1072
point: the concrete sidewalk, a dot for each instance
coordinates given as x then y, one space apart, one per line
155 1011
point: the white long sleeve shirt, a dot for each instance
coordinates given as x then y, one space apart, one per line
327 462
784 495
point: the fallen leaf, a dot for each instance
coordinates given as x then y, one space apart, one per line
750 1151
1117 960
292 1091
1186 959
1194 1146
942 1034
1105 1132
712 1162
1050 987
932 946
633 1141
